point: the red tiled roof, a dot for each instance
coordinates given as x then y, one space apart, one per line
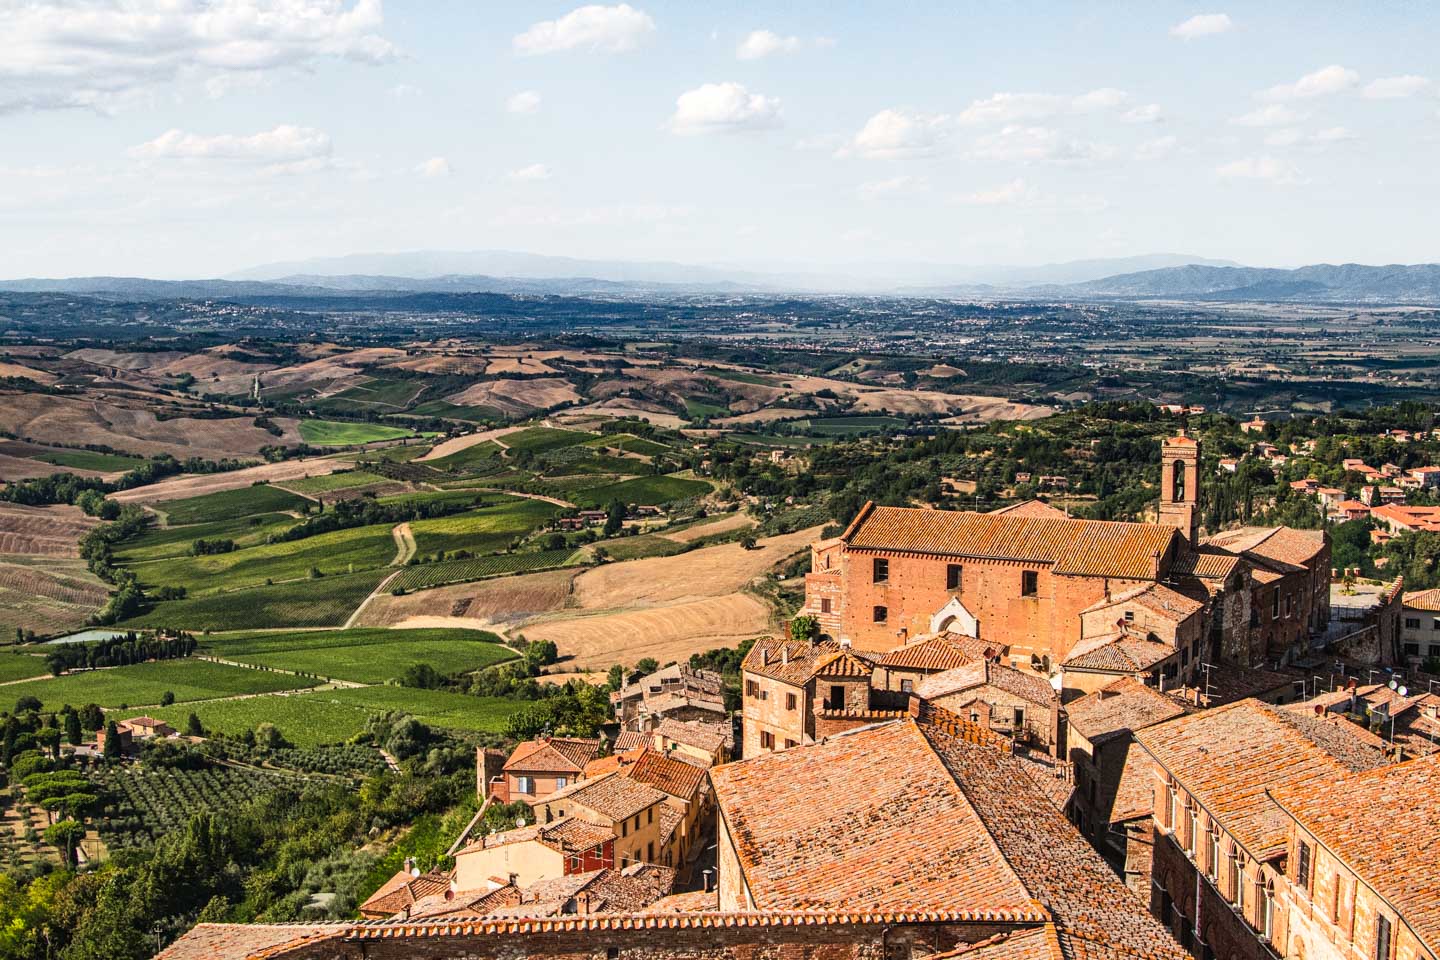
1423 600
1096 548
796 661
678 779
710 737
630 739
1286 547
1207 563
610 796
209 941
1383 824
1030 508
558 754
1119 709
1229 757
942 651
1122 652
1156 598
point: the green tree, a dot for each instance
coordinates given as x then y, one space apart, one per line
614 517
112 741
193 727
804 627
73 733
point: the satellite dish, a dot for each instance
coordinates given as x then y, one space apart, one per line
1393 684
1402 691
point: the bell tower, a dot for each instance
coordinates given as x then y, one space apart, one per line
1180 485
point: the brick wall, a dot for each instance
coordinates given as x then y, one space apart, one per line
765 708
1045 624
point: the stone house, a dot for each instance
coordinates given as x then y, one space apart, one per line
537 768
628 809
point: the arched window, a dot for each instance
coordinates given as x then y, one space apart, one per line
1177 481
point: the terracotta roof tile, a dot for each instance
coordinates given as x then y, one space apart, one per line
709 737
1095 548
631 739
1156 598
1423 600
678 779
1119 709
610 796
796 661
1278 545
1121 652
1228 757
208 941
1030 508
560 754
1382 823
940 651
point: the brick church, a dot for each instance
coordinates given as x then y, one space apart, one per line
1079 595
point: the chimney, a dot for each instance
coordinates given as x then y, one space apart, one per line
410 867
784 654
705 875
511 878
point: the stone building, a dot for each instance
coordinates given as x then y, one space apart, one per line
1420 625
1014 703
676 691
1221 840
1361 876
1366 622
1026 581
536 768
929 813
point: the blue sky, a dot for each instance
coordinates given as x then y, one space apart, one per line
193 138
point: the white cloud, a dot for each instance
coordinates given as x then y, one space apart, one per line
1202 25
1261 168
1016 191
891 134
1274 115
617 29
526 101
1157 149
1105 98
529 174
284 144
1291 137
1145 113
722 107
1021 107
99 54
614 215
1022 144
1325 81
762 43
1395 88
434 167
893 186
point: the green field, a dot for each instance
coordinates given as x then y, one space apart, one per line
740 376
335 553
379 392
146 683
696 409
331 716
630 444
88 460
327 602
159 542
327 483
229 504
472 456
541 439
481 531
19 666
305 719
401 454
849 426
450 411
331 433
425 575
364 656
642 490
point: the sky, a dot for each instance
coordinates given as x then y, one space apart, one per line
192 138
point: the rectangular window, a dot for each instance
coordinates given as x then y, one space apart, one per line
525 785
1382 937
1275 605
1436 624
561 783
1302 865
752 688
1029 583
767 740
650 815
824 604
1214 853
907 686
789 744
1412 649
881 614
1412 623
1129 616
1236 878
953 576
650 852
1335 902
880 570
789 701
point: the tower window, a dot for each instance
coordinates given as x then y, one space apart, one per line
1029 583
880 570
1177 481
954 573
880 614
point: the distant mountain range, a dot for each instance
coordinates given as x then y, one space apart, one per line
535 275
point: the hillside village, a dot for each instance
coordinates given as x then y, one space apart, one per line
1009 733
